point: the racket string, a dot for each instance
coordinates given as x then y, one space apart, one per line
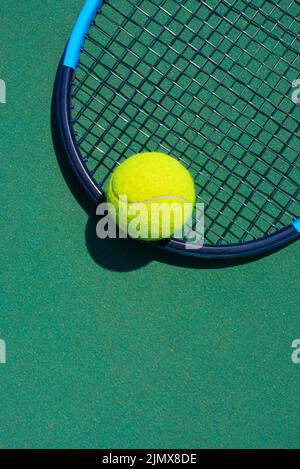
92 123
212 153
237 97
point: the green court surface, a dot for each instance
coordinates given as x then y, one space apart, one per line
112 344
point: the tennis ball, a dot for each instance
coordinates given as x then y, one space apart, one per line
152 195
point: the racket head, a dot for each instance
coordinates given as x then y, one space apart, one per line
224 110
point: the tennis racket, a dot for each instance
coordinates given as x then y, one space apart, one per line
211 83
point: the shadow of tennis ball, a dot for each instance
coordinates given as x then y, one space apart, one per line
120 255
125 255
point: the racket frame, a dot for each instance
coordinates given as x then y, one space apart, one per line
65 84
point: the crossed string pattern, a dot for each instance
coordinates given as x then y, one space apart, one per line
209 83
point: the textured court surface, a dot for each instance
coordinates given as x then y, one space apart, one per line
110 344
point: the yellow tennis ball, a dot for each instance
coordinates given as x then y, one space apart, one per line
152 195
